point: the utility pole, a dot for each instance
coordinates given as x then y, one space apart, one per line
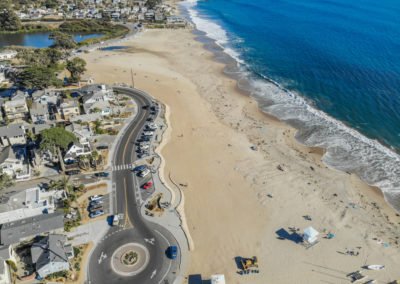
133 81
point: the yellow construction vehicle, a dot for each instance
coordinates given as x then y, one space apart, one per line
248 263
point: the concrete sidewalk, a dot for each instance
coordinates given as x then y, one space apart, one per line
170 219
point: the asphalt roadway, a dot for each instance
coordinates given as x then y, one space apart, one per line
133 228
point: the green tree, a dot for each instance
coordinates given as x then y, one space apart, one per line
5 180
152 3
38 77
62 40
76 66
56 137
9 21
53 55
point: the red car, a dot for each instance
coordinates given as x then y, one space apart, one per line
147 185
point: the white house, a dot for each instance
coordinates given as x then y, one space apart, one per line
97 99
45 97
12 134
75 151
82 132
50 255
16 108
11 161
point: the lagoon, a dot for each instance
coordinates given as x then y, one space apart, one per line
37 39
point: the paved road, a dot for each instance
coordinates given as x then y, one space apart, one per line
134 228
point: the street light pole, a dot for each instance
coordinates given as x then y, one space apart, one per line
133 81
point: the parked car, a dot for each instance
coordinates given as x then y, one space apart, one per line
96 197
139 168
144 173
147 185
72 172
96 213
144 147
151 126
96 207
144 139
172 252
96 202
148 133
101 174
104 147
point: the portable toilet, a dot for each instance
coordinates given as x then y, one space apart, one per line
310 235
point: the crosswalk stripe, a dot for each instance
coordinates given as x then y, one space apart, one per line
121 167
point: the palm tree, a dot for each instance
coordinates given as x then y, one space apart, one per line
95 157
84 161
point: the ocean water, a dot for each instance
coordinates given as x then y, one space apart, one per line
330 68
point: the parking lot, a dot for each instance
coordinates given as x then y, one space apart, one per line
141 181
105 205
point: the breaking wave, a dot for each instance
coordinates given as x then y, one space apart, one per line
346 149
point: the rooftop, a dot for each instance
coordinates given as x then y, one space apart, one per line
12 130
12 232
38 109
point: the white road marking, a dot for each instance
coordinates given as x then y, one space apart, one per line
153 274
102 256
150 241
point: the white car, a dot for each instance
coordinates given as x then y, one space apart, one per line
152 126
148 133
144 173
96 197
144 147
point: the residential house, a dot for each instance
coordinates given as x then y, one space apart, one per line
39 113
81 131
45 97
91 117
16 108
149 15
50 255
102 107
12 134
69 108
22 229
76 150
12 161
176 20
96 99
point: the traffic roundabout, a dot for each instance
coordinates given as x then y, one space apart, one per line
130 259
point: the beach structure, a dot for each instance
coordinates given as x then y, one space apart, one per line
218 279
310 235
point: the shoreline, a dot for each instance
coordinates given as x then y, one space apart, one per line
233 69
319 151
224 176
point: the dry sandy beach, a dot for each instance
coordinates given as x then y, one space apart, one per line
236 198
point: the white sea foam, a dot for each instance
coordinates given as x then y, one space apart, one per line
211 29
346 148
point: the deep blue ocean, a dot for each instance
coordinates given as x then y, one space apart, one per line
340 61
